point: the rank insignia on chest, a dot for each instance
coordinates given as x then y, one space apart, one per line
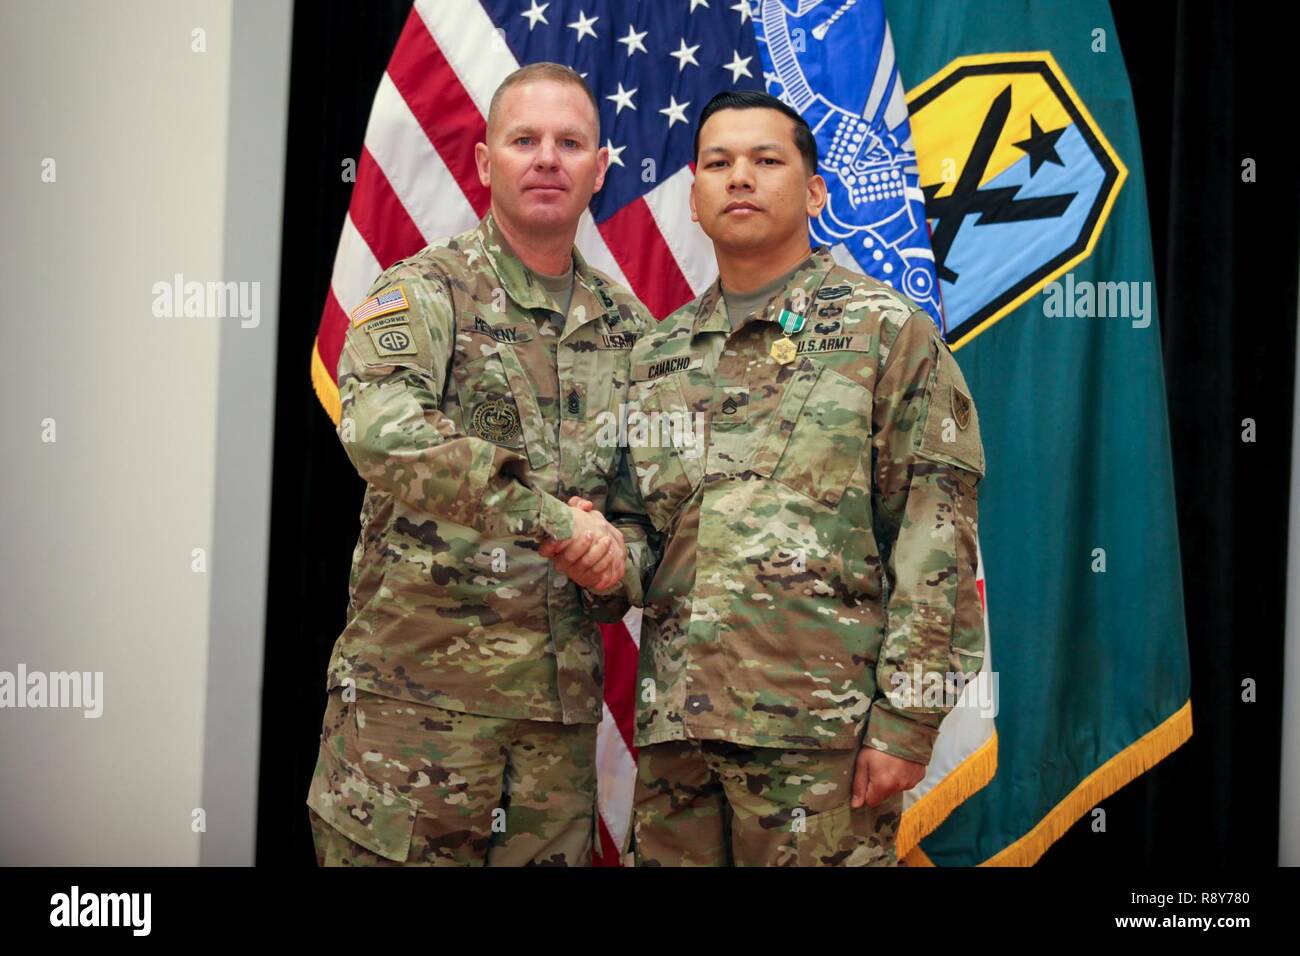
573 404
730 405
783 351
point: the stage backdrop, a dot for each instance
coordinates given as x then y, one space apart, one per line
1030 136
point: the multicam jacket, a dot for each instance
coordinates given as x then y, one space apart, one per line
473 417
820 545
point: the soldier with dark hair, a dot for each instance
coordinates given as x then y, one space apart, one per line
819 549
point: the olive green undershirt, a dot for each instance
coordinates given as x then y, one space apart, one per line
740 304
560 288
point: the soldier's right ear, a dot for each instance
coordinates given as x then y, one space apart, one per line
484 165
816 195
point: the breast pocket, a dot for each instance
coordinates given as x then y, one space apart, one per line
498 405
816 440
589 415
665 439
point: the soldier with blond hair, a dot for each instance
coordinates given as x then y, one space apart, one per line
465 691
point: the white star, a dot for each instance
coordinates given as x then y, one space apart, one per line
676 112
535 14
685 55
697 3
633 40
743 9
738 67
623 98
615 152
583 26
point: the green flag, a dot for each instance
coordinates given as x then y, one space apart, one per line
1029 157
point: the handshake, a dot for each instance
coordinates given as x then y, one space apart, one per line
595 556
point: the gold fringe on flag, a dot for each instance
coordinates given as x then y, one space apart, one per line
323 384
1123 768
969 777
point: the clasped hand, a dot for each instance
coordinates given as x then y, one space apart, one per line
594 558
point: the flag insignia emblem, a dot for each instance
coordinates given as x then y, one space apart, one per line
386 303
1009 158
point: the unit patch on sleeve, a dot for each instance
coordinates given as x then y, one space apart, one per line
396 340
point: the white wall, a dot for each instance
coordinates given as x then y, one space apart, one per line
98 527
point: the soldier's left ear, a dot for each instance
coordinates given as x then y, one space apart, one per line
816 195
483 165
602 166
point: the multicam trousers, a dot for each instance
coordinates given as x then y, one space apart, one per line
713 803
399 783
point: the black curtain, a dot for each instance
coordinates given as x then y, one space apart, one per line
340 50
1209 82
1210 90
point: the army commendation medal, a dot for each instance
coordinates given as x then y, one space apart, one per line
783 350
790 322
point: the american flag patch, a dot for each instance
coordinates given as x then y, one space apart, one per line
392 301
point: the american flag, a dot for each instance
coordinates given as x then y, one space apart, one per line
393 301
652 66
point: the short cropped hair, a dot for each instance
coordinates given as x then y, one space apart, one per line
556 72
804 140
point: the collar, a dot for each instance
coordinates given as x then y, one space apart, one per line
521 283
711 314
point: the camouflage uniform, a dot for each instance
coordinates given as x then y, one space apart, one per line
821 542
473 417
409 784
713 803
